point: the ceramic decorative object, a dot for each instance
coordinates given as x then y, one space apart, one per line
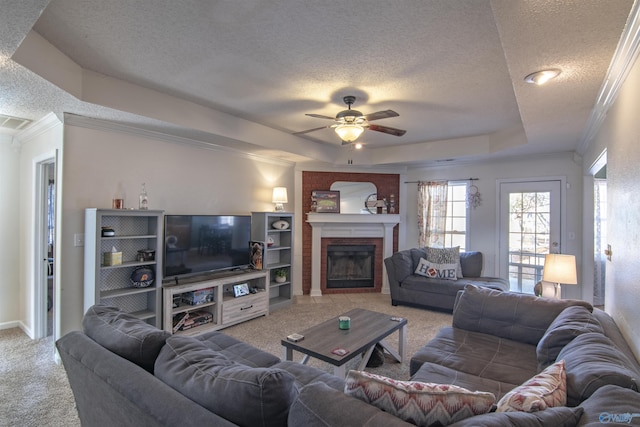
142 277
280 225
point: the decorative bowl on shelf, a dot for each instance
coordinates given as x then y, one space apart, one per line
142 277
280 225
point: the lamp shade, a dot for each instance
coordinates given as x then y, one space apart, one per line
279 195
559 268
349 132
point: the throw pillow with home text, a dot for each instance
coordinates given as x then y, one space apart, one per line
436 271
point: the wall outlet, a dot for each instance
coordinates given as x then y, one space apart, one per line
78 239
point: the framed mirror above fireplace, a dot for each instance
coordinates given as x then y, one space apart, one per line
353 195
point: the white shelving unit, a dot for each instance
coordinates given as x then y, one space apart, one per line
278 253
225 309
135 230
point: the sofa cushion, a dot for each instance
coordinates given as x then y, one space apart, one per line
432 270
423 404
482 355
556 417
404 264
244 395
124 334
319 405
570 323
612 405
511 315
236 350
547 389
593 361
305 374
471 263
434 373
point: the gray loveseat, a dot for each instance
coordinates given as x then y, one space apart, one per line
408 288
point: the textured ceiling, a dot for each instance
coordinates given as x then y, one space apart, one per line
452 69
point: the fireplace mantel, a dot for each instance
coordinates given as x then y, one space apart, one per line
346 226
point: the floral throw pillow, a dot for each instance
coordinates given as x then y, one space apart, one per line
422 404
445 256
436 271
546 390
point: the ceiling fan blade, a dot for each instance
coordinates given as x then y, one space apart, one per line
381 115
310 130
320 116
387 130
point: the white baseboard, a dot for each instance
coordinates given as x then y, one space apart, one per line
10 325
17 324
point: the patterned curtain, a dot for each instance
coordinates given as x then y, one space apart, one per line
432 213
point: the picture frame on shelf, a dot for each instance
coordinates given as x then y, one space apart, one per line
240 290
326 201
257 254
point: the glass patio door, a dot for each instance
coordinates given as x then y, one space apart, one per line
529 229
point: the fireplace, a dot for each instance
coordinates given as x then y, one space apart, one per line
350 266
350 229
357 265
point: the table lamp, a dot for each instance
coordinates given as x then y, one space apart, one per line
279 198
559 268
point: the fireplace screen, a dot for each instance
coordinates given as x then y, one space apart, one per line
350 266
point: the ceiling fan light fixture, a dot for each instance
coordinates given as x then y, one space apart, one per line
543 76
349 132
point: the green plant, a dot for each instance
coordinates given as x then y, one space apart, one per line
281 272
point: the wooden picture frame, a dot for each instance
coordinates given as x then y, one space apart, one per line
326 201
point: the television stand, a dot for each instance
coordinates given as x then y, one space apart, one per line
205 303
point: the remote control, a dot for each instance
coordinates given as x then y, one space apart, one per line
295 337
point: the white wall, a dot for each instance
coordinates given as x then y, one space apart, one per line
180 178
483 235
620 134
9 233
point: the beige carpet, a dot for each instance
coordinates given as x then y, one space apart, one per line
34 391
266 332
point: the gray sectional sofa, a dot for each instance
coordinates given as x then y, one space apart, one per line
499 340
408 288
124 372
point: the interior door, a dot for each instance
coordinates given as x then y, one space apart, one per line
529 229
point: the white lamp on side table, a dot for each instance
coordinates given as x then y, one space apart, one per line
560 268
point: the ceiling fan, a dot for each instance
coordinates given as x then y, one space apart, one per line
349 124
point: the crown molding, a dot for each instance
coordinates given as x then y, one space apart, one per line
37 128
623 60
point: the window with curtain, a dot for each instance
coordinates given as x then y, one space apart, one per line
442 214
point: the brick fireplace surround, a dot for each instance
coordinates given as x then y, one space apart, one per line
385 183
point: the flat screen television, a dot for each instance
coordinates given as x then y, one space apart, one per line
201 244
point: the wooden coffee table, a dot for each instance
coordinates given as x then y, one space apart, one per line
367 329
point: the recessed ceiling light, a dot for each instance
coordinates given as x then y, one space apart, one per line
358 145
543 76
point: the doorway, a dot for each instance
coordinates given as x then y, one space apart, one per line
529 229
44 261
